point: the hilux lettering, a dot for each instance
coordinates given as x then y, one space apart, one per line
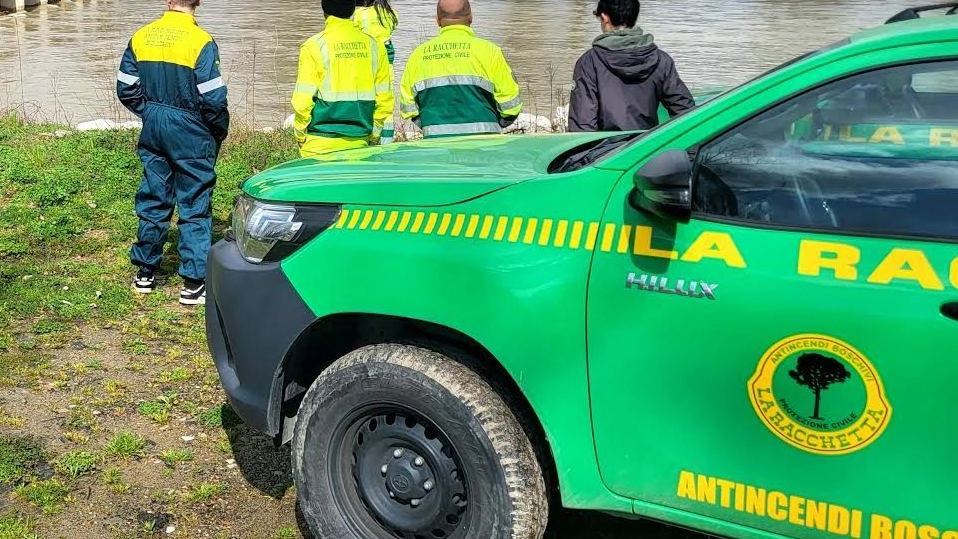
660 284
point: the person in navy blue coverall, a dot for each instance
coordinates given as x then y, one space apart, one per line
170 77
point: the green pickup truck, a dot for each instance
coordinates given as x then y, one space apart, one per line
739 322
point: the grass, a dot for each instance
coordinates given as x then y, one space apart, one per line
126 445
99 364
212 418
16 528
18 457
113 479
286 532
172 457
76 463
205 492
66 225
48 495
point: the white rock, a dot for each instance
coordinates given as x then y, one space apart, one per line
104 124
188 438
529 123
95 125
170 529
230 463
288 122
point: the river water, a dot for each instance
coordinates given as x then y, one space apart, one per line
58 62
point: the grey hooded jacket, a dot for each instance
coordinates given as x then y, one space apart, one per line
620 82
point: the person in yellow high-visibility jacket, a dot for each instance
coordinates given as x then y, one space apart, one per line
457 83
344 90
378 19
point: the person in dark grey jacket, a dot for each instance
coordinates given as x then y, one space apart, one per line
621 80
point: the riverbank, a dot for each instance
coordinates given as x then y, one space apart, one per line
112 421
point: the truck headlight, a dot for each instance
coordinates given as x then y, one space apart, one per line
267 232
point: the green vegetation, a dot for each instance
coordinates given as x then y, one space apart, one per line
76 463
66 225
18 457
15 528
212 418
126 445
172 457
286 532
205 492
48 495
96 362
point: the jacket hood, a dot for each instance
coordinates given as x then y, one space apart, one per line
631 54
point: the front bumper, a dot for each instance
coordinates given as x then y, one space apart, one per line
253 317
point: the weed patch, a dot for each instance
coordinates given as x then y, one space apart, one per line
205 492
126 445
48 495
19 456
15 528
113 478
172 457
76 463
286 532
212 418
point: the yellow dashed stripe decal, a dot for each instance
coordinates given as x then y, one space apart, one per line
560 233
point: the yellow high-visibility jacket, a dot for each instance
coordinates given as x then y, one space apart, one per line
369 21
457 84
344 91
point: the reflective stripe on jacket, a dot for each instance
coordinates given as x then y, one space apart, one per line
174 62
457 84
344 87
368 20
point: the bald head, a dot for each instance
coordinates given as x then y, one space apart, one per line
454 12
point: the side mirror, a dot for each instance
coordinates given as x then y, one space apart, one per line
663 186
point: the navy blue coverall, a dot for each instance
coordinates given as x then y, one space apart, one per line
170 78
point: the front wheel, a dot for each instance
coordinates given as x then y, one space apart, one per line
394 441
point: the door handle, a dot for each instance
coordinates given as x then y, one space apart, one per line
950 310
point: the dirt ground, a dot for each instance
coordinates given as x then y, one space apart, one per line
236 483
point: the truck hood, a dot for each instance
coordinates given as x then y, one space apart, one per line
432 172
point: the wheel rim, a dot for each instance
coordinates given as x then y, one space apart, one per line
406 473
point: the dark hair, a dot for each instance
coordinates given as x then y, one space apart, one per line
620 12
343 9
193 4
383 10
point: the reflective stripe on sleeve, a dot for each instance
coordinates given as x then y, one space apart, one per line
461 129
126 78
309 89
454 80
209 86
508 105
409 107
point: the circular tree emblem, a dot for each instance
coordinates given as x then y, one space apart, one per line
820 395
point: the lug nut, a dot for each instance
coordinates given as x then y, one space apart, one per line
415 503
397 453
384 469
428 485
419 461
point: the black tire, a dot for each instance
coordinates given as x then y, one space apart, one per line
386 421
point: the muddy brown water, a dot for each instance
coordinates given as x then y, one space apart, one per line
58 62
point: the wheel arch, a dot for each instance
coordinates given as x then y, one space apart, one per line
333 336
